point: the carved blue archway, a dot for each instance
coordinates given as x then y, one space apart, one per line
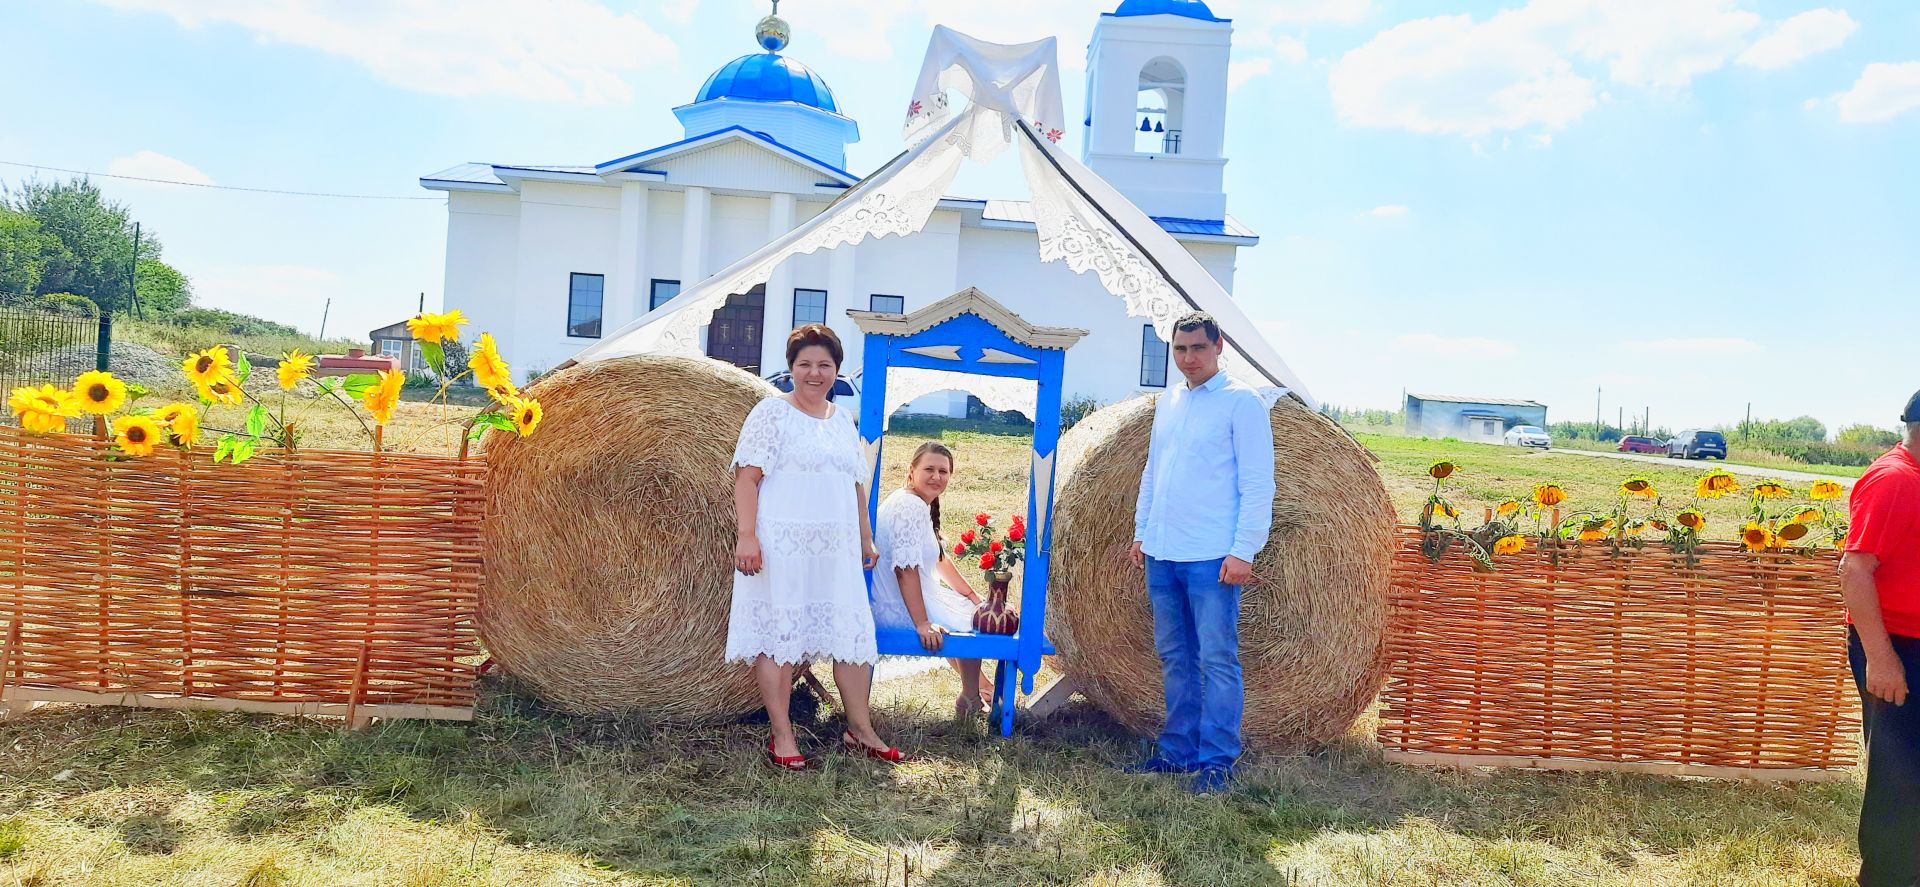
969 333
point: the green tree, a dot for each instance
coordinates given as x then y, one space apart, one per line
162 290
26 251
1866 436
97 233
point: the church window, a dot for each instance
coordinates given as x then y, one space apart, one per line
1161 104
809 306
662 293
1153 359
585 293
888 304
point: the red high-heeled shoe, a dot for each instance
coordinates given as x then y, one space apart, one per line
889 754
794 763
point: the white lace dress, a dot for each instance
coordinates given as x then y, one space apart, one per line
809 600
903 531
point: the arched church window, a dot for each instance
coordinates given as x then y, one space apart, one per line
1162 99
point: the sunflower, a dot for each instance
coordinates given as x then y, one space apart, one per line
1509 507
526 415
1510 545
182 421
1756 537
437 327
1443 508
138 435
1594 530
43 410
294 366
489 368
99 393
1692 519
504 392
1807 515
1793 532
1715 484
1825 489
1657 524
222 390
1638 485
1635 527
1549 495
384 397
1771 489
209 366
1442 469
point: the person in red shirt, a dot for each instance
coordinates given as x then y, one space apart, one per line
1880 583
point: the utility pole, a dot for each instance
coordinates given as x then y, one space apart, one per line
423 303
1646 420
1747 421
133 276
323 319
1596 412
1620 419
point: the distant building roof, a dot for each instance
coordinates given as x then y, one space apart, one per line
1021 211
1184 8
1488 401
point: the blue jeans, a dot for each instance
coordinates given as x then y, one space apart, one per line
1196 629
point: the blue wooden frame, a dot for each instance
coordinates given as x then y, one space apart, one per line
1017 654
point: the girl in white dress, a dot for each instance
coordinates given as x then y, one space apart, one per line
798 593
914 583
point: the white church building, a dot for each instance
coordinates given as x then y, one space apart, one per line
553 257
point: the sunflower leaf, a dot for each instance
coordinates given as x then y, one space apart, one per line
242 368
135 391
225 448
242 451
484 422
436 356
357 385
257 420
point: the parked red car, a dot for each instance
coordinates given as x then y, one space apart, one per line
1632 444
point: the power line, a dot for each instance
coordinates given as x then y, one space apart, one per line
108 175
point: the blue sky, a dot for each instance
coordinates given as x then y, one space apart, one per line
1687 204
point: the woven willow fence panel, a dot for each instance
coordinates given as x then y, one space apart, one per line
314 583
1735 665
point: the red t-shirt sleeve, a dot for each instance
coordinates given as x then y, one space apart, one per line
1882 513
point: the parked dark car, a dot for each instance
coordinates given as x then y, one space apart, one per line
1698 445
1635 444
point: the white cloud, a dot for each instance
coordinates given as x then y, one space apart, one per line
154 165
1699 347
1389 211
1238 73
1450 74
1261 13
1430 345
569 50
1289 50
679 12
1516 69
1884 91
864 29
1809 33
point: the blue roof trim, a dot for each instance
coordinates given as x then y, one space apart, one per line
602 167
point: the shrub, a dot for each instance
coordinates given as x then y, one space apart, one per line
1072 411
1867 436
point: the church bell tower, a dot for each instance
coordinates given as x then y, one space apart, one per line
1157 106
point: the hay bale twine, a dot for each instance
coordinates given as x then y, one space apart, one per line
609 540
1312 621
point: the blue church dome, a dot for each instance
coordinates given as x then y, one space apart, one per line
1183 8
772 77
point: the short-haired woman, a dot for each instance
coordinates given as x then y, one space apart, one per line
799 594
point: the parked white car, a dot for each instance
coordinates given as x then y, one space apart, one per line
1528 436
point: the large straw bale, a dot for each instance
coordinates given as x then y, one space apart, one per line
609 540
1312 621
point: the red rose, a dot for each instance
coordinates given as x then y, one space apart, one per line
959 549
981 519
1017 533
994 546
1019 520
967 537
987 561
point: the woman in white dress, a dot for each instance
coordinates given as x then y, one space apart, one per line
914 583
798 593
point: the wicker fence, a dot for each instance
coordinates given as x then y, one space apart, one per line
307 583
1734 665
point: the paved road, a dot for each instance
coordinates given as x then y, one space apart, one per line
1733 467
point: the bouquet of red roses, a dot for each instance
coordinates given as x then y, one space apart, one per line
993 554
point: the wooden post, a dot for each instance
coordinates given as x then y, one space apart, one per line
354 720
185 571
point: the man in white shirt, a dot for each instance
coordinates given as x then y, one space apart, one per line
1206 504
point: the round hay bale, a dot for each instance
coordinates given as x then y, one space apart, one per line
1312 621
609 540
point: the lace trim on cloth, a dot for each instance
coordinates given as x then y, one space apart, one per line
909 527
908 384
791 635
